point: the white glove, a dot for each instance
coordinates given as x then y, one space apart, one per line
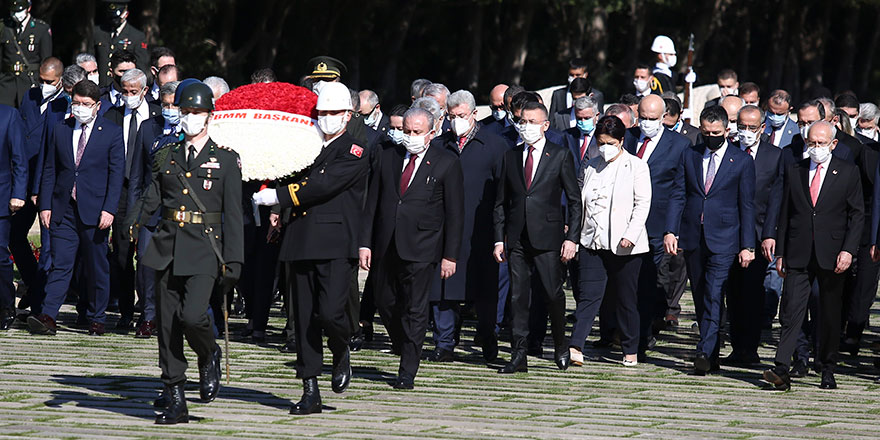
266 197
691 77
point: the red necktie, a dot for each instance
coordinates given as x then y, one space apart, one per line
644 146
584 146
407 173
773 137
461 141
749 151
529 166
814 185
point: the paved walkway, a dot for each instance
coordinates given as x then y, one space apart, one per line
76 386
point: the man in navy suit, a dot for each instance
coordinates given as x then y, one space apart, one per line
582 143
81 183
498 120
662 149
561 98
13 191
779 129
712 218
746 294
808 113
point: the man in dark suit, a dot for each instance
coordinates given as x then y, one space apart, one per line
130 118
808 113
662 149
371 111
13 192
111 95
320 242
113 32
745 296
564 118
780 128
530 229
80 189
498 120
728 85
414 221
475 281
820 226
712 218
562 99
581 135
673 121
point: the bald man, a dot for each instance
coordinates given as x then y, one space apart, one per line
731 104
662 149
819 229
497 121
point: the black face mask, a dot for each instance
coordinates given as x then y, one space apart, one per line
714 142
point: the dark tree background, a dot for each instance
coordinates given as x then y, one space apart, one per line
799 45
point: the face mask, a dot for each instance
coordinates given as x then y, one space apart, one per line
714 142
94 77
396 136
650 128
48 90
115 17
171 115
331 124
805 130
641 85
747 137
193 124
854 123
733 134
460 126
819 154
586 126
727 92
316 87
133 102
570 79
776 121
370 120
414 144
82 114
530 133
866 132
608 151
20 16
499 114
671 60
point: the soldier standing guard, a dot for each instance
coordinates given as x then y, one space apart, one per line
197 186
26 42
115 33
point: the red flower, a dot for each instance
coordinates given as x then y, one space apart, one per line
278 96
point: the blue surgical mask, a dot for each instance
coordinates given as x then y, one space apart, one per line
586 126
171 115
396 136
776 121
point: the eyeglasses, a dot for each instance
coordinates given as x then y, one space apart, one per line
818 145
83 104
748 127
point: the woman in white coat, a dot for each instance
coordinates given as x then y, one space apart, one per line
616 199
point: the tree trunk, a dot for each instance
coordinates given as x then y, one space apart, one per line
517 42
778 52
846 53
597 44
814 30
397 39
872 15
472 75
150 20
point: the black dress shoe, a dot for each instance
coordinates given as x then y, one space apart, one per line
741 359
310 403
780 379
562 358
146 330
441 355
288 347
652 342
404 383
96 329
356 342
341 371
828 382
209 376
850 346
367 330
176 412
702 364
799 369
7 317
517 364
258 337
42 324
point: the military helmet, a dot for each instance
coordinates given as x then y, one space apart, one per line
196 95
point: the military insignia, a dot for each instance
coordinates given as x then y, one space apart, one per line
833 171
31 42
143 45
321 67
238 159
210 165
213 159
207 184
356 150
731 160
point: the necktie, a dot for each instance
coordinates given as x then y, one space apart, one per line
710 173
749 151
192 156
814 185
132 132
530 163
584 146
407 173
644 146
80 149
461 141
773 137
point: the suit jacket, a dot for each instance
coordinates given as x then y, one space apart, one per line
794 152
769 168
35 131
558 100
691 132
574 145
489 123
561 120
98 177
833 225
537 211
791 130
116 115
630 203
13 159
427 221
665 166
327 200
149 141
726 214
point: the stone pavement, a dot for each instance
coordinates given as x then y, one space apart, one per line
76 386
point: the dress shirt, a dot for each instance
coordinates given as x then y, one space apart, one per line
143 113
719 154
419 158
536 155
824 171
77 129
754 151
375 124
154 91
572 119
115 97
45 103
652 144
777 135
596 230
199 144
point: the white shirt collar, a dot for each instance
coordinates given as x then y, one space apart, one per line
662 68
719 153
199 144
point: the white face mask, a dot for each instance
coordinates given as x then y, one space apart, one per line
650 128
727 92
747 137
499 114
82 114
819 154
805 130
192 124
671 60
641 85
733 133
854 123
460 126
133 102
372 118
331 124
415 144
866 132
94 77
609 151
570 79
20 16
530 133
396 136
48 90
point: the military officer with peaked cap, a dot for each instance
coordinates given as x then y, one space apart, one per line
196 186
113 33
25 42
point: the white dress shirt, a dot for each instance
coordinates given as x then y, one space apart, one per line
777 135
419 158
596 233
754 149
143 112
813 167
77 130
45 104
652 144
572 119
375 124
719 154
536 155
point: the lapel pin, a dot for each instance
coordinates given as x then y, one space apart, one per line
100 128
428 162
731 159
833 171
547 154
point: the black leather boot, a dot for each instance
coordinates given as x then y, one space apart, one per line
311 399
164 399
209 376
517 364
176 412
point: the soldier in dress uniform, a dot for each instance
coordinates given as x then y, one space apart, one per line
26 42
196 185
116 33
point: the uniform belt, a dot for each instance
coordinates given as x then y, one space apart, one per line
19 68
192 217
